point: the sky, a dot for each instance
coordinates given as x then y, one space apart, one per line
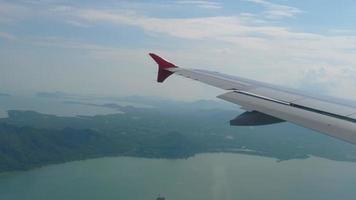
101 47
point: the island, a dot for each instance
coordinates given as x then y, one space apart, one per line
30 139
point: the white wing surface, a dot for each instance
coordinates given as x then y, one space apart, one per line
266 103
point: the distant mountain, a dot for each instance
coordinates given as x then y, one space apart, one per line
159 103
169 104
151 101
51 94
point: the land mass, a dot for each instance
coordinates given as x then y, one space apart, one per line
29 139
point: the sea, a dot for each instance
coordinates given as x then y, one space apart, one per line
208 176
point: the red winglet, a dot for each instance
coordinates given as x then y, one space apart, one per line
162 66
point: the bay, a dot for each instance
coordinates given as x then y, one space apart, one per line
210 176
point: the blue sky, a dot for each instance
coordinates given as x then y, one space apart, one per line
100 47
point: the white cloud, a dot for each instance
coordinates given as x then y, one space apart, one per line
201 4
7 36
240 44
10 12
276 11
286 53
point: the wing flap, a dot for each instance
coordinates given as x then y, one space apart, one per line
277 94
254 118
326 106
330 125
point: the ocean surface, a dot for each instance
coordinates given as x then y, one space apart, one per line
211 176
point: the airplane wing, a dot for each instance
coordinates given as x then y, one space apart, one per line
267 104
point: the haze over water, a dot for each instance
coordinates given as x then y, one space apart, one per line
53 106
222 176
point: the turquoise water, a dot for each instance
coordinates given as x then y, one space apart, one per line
217 176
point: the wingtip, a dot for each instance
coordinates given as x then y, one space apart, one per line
163 73
152 55
162 63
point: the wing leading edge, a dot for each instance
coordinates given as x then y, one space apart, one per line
266 103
